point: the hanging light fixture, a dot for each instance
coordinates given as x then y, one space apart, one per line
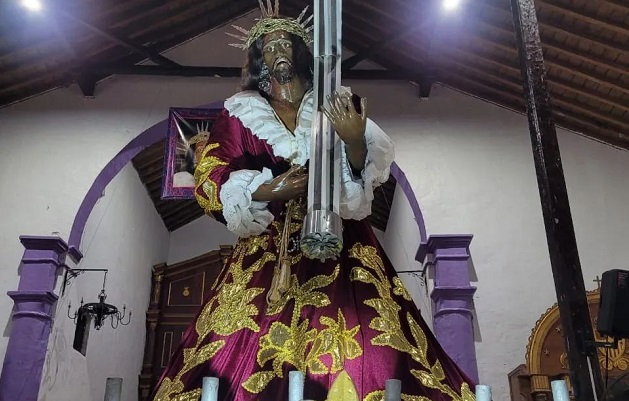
98 311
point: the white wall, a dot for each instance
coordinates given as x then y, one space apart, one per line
202 235
469 162
125 235
400 242
53 146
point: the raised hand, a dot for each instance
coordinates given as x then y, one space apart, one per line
347 121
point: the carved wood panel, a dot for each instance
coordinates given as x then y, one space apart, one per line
546 357
177 295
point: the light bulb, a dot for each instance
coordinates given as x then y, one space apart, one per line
451 4
33 5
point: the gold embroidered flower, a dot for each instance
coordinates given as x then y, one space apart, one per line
286 344
305 294
335 340
400 290
234 311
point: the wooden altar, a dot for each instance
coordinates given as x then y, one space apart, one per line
177 293
546 358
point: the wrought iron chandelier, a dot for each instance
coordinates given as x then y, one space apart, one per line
98 311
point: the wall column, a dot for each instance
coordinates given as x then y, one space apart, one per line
453 298
32 317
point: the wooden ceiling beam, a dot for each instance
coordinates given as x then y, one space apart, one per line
612 26
152 152
153 178
618 4
549 43
176 207
189 26
547 26
375 47
120 40
192 27
393 20
560 65
411 71
158 11
516 102
190 20
351 9
516 86
114 12
554 81
184 218
46 47
224 72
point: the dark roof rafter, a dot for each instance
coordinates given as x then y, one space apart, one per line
584 47
610 25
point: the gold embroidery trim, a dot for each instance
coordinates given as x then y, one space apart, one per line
210 202
290 343
229 311
389 325
400 290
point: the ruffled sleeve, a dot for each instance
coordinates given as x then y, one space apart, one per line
224 185
357 192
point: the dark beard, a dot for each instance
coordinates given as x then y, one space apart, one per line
284 73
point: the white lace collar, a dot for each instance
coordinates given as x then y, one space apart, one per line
257 115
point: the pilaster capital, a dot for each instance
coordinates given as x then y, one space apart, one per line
437 243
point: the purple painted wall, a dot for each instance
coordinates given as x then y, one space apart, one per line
403 183
453 299
34 300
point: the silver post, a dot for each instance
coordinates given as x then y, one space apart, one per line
322 236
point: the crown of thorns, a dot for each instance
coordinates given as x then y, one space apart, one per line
271 21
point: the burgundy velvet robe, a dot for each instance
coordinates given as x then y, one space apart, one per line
353 314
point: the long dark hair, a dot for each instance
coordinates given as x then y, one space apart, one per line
303 62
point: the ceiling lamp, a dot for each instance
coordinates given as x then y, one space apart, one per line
451 4
98 311
32 5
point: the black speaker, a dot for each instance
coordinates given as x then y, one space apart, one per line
613 313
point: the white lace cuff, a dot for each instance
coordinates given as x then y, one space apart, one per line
357 193
244 216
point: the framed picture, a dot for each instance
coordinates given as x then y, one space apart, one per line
188 133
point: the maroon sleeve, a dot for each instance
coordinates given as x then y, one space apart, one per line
223 154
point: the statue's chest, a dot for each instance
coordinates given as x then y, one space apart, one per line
288 117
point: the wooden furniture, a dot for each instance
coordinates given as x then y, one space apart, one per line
546 358
177 294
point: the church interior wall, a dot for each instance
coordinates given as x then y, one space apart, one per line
196 238
400 242
471 166
469 162
53 146
124 234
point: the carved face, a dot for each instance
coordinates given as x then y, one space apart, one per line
277 50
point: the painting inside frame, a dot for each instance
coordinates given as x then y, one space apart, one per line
188 133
